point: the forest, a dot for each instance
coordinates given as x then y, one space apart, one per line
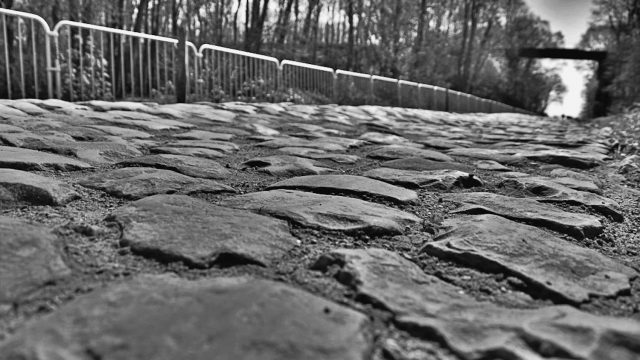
615 28
466 45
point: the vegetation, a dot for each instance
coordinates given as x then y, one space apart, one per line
466 45
615 28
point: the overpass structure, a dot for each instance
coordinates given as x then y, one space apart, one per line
602 100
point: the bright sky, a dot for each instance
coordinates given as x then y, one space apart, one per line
570 17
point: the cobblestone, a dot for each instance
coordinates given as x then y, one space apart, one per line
138 182
283 231
433 179
176 227
490 241
187 165
24 188
159 317
30 258
529 211
348 184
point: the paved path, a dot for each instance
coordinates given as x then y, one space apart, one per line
280 231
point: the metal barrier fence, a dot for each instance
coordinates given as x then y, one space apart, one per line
307 80
78 61
385 91
233 74
353 88
22 45
97 62
409 94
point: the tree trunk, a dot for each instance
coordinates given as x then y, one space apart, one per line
351 56
7 4
306 29
314 47
220 23
255 26
175 11
142 10
397 13
296 13
417 44
283 23
466 71
235 23
482 51
181 70
463 44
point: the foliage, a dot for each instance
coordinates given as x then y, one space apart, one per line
615 28
92 79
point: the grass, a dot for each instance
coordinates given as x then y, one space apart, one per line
623 132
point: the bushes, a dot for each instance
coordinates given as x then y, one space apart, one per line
86 74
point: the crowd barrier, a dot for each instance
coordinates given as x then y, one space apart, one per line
77 61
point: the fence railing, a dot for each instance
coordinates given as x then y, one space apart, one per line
228 74
97 62
307 79
78 61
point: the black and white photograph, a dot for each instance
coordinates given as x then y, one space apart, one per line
319 179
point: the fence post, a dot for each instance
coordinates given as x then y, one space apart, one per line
182 66
56 63
335 86
47 54
371 95
446 99
280 81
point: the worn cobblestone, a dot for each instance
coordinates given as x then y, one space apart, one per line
250 230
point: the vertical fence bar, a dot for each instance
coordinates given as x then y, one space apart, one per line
113 72
157 69
131 67
173 66
187 67
196 73
238 83
166 68
58 69
150 66
212 70
250 78
205 73
35 60
228 68
140 71
104 89
218 71
6 54
122 68
235 76
81 56
70 66
255 79
185 59
229 74
223 74
49 64
91 63
22 87
238 76
246 79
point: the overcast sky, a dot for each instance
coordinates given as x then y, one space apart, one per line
571 17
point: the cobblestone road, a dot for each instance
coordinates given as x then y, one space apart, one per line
281 231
